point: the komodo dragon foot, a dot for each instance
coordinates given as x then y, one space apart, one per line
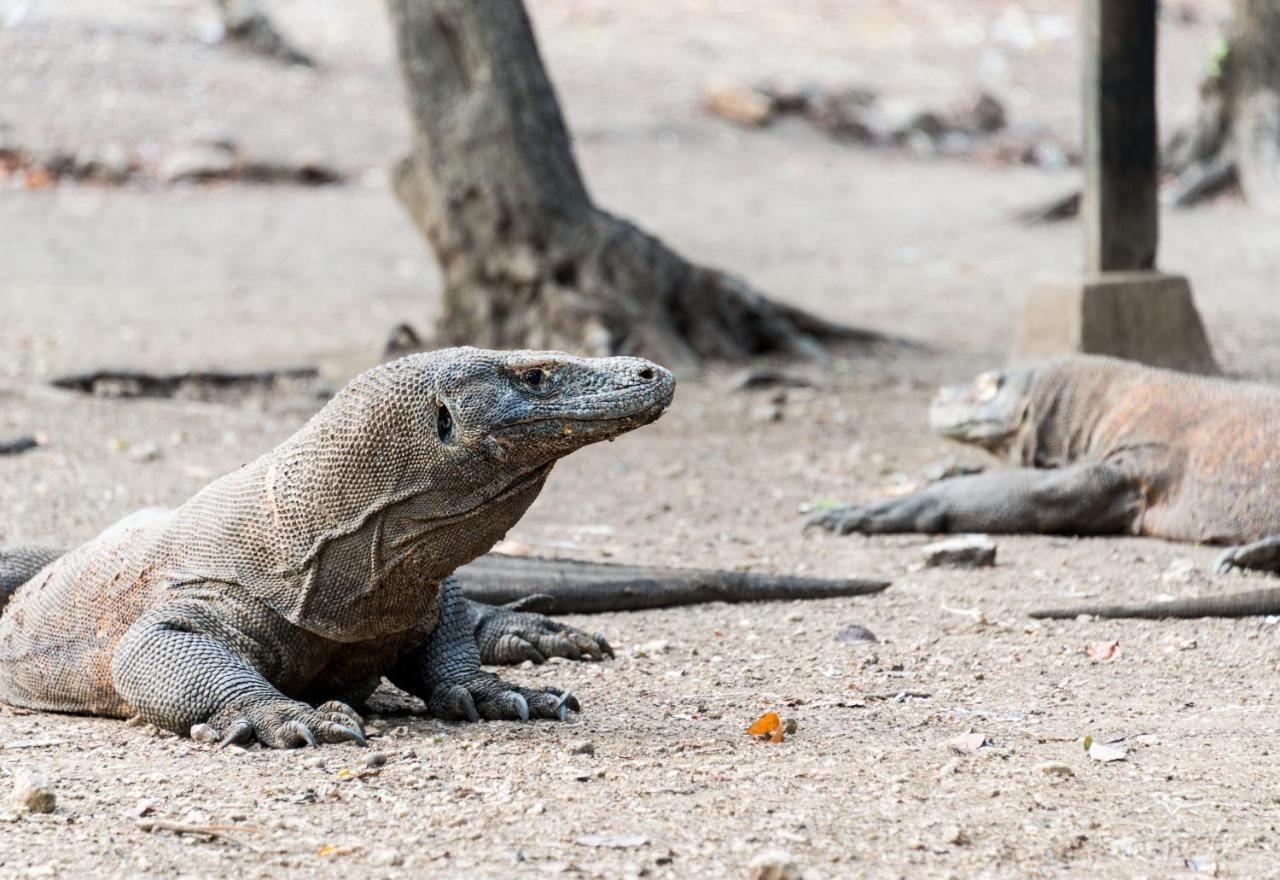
280 723
1263 555
444 672
512 633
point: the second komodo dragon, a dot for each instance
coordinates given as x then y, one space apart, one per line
310 574
1104 446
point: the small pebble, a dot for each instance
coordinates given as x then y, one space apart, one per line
375 759
773 864
385 857
1055 768
33 792
204 733
582 747
955 836
967 551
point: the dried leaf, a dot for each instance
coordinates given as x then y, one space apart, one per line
768 724
332 851
1102 652
968 743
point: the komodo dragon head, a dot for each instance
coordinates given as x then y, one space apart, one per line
413 469
989 412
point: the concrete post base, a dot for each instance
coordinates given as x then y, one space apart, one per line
1139 316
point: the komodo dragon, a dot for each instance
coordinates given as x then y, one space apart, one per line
324 565
1104 446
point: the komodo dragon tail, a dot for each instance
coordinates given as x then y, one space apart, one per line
1255 603
19 565
588 587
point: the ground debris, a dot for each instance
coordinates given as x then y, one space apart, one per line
16 445
774 864
32 792
855 634
968 743
612 841
203 385
967 551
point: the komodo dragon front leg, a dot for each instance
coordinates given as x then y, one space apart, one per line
444 671
1083 498
187 668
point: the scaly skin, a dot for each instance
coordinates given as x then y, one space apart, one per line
276 599
1107 447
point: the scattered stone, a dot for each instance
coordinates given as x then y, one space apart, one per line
32 792
613 841
199 161
954 835
204 733
18 444
375 759
766 412
148 450
774 864
967 551
385 857
1123 846
855 634
740 103
581 747
1106 752
657 646
1056 768
1202 864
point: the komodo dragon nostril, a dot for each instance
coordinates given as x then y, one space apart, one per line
646 374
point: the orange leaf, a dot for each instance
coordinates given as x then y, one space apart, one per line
768 724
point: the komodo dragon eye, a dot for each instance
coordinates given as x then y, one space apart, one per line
534 377
444 423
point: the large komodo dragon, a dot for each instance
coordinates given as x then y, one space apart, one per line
1105 446
314 571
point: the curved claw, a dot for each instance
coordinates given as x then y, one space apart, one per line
521 704
239 732
350 733
461 702
564 699
292 731
604 645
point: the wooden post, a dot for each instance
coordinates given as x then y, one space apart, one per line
1119 210
1122 307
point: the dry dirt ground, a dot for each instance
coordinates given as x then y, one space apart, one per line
246 277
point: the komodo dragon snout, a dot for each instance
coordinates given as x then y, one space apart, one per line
987 412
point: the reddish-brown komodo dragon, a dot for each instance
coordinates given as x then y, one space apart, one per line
1103 446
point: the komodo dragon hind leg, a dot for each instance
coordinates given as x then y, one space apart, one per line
507 634
444 671
1263 555
1085 498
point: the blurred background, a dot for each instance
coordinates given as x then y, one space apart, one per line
126 239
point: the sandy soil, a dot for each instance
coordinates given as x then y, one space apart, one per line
869 785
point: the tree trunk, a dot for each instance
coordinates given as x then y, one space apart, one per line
528 259
1236 132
